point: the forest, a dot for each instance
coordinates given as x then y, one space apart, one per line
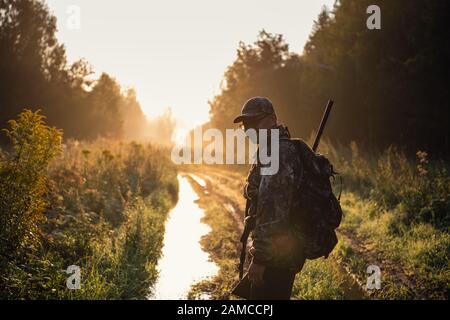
389 85
35 74
86 177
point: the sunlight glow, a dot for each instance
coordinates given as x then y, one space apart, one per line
174 53
183 262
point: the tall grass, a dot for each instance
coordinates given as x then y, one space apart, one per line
99 205
399 207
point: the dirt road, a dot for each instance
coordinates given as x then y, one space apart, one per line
223 188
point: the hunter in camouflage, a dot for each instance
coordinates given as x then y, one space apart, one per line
271 199
276 250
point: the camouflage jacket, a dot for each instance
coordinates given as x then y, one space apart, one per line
271 197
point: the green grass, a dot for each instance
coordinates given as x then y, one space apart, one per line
320 279
419 249
398 208
98 205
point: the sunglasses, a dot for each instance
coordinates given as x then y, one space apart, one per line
252 122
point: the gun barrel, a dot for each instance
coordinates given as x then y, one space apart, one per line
322 124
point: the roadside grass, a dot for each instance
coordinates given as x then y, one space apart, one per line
419 251
397 207
320 279
98 205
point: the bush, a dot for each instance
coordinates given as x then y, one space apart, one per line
101 206
23 183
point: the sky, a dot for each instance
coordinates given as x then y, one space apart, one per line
174 53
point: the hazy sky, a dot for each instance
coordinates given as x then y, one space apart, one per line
174 53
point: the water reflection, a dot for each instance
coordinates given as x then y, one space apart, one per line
183 262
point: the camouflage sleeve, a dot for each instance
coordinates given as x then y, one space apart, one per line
251 187
275 196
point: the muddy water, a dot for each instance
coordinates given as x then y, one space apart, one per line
183 262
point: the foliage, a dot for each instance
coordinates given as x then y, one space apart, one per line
399 208
389 85
24 182
34 72
100 206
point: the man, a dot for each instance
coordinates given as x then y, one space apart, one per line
276 249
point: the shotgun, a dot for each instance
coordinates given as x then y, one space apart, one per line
322 124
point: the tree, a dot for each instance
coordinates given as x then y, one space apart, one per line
389 85
34 73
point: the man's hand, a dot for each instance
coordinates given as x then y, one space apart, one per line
255 274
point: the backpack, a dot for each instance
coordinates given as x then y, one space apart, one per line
316 212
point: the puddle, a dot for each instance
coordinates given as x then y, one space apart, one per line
183 262
199 180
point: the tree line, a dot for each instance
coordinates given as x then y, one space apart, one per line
390 86
35 74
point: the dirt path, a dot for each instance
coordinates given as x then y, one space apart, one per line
373 257
227 187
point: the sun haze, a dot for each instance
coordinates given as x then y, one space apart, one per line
174 53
